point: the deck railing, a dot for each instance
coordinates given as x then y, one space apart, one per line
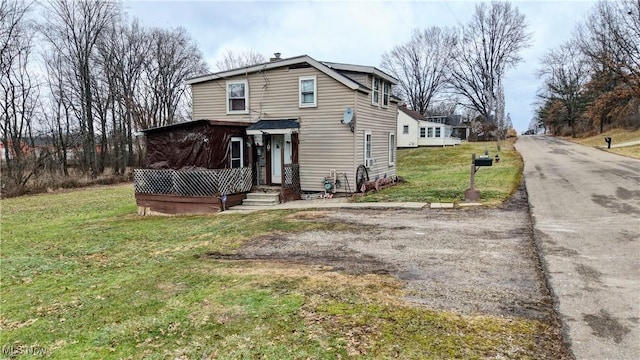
192 182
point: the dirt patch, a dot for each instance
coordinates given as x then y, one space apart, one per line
474 261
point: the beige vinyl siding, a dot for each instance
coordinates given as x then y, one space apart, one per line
325 143
380 122
363 79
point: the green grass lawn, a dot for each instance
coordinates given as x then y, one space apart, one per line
437 174
82 276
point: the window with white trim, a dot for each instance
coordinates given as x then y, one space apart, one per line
405 129
368 159
392 149
308 90
386 89
236 152
430 132
423 132
237 97
375 94
437 132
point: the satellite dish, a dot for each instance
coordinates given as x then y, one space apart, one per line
347 116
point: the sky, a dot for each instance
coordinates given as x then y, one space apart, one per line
357 32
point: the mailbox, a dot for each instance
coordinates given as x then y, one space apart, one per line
483 162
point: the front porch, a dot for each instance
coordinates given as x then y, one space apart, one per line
208 166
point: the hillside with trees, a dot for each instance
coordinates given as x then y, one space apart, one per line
591 83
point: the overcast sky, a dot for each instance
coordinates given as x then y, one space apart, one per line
356 32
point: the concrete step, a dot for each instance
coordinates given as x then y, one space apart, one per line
261 199
259 196
259 202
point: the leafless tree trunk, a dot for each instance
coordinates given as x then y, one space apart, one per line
19 91
59 115
73 28
421 64
490 44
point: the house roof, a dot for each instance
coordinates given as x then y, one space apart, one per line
361 69
274 126
411 113
332 70
194 122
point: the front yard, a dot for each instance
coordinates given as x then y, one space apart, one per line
84 277
438 174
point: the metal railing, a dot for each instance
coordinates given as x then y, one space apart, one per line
192 182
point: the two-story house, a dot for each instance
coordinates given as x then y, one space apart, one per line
300 105
333 120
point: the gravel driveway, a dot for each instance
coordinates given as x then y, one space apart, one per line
473 261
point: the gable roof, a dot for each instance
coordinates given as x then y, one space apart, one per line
411 113
330 69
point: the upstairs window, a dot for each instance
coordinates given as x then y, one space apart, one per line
375 95
308 91
237 97
386 89
405 129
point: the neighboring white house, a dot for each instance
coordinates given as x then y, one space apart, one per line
414 131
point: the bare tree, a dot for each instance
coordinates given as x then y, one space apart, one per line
172 58
19 91
59 118
233 60
490 44
565 72
73 28
420 65
610 37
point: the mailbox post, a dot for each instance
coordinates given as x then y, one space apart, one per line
472 194
608 140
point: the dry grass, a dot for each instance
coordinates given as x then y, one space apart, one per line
618 136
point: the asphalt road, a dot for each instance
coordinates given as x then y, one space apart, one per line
585 205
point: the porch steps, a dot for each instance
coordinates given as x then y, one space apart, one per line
261 199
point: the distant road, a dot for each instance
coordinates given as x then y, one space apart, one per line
586 209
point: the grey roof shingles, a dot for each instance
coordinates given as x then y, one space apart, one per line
275 124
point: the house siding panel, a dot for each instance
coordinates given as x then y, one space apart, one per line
380 121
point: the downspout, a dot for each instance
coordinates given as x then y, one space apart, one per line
355 138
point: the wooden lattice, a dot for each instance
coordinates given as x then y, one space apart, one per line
291 189
192 182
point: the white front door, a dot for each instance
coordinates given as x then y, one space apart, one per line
277 143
